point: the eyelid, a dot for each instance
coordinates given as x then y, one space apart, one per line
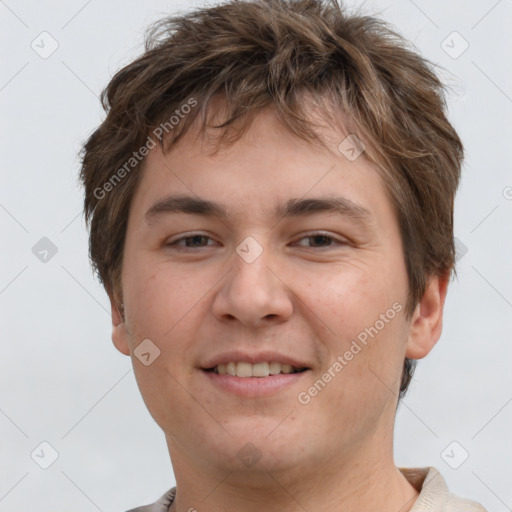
312 234
184 236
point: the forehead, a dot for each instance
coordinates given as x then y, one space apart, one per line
269 169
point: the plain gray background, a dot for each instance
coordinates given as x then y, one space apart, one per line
62 381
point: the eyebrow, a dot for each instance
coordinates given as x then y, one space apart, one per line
297 207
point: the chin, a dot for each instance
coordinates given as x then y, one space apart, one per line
262 448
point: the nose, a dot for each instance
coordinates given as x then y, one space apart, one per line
254 293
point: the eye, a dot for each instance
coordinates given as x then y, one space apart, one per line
321 240
191 241
316 240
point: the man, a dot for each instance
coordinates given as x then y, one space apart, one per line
270 201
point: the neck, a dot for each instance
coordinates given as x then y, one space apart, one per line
330 486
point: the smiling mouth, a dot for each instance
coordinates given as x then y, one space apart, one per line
264 369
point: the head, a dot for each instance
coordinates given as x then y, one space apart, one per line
249 104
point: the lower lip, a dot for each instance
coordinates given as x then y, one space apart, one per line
254 386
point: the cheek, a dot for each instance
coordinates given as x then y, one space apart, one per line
360 318
163 394
351 298
164 299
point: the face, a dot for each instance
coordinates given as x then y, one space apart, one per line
296 258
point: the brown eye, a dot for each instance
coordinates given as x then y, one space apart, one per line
190 241
320 240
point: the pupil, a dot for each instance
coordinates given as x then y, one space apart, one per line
196 239
321 237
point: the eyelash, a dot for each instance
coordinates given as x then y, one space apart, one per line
310 235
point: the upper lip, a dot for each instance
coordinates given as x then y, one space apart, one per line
253 358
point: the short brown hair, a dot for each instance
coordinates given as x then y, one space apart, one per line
277 53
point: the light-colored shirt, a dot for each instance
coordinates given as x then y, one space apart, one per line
434 495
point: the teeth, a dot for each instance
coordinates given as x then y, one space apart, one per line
260 370
243 369
274 368
231 369
286 368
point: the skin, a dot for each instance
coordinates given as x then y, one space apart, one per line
304 297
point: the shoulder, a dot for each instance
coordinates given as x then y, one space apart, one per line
161 505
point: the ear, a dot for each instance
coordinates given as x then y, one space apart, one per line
427 320
119 332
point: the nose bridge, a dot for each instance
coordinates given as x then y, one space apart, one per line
251 292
